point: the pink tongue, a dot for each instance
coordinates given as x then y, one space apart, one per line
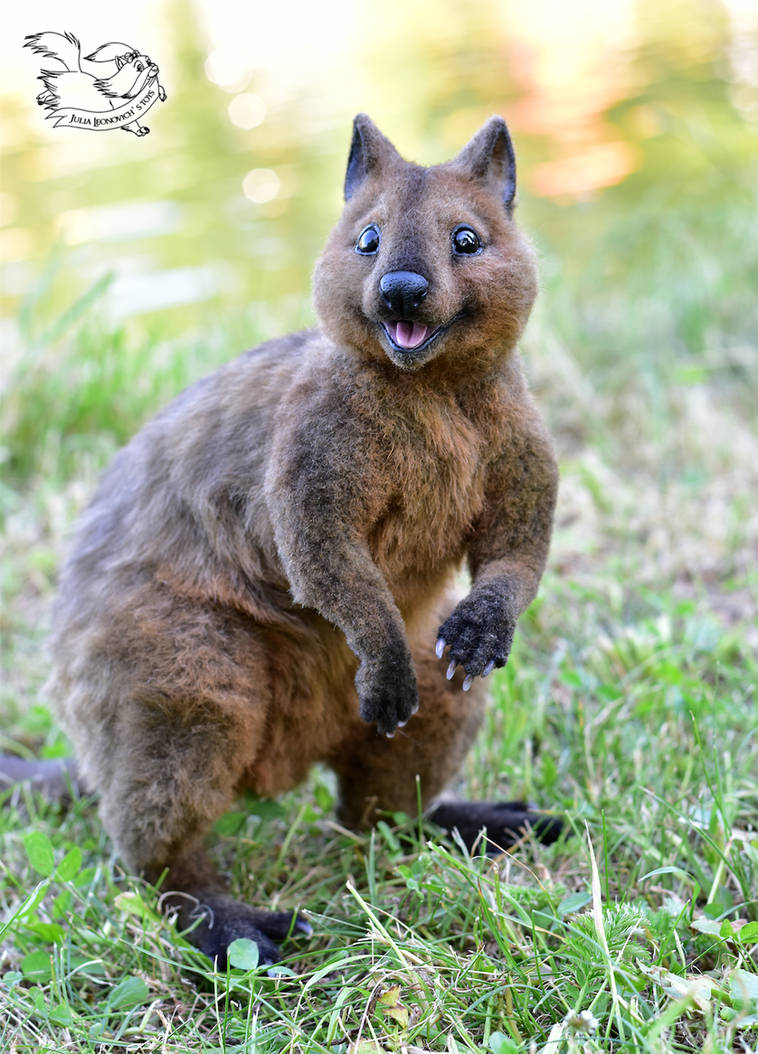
410 334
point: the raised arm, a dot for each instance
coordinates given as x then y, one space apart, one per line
507 552
323 492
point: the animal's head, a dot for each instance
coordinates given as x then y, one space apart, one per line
427 262
133 71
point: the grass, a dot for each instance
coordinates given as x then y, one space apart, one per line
629 704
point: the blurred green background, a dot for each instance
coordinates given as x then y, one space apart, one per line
222 209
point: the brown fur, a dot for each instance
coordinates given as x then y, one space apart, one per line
293 524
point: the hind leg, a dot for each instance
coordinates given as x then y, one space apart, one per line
168 711
503 822
377 774
177 767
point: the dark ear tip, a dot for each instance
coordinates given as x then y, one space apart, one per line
495 126
499 124
362 121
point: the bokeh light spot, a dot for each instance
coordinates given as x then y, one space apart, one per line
261 185
247 110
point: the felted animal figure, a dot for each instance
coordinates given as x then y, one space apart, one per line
102 81
266 576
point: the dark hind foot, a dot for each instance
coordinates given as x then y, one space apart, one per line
505 822
222 919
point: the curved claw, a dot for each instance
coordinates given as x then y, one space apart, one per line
451 670
439 647
468 680
488 668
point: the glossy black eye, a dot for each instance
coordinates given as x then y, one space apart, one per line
368 240
465 241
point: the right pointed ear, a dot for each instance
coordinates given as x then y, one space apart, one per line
369 150
489 156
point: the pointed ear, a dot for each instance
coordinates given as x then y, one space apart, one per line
489 156
369 150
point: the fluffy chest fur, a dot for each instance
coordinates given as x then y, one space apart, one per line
435 482
435 445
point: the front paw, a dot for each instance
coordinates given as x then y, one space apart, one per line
479 634
387 692
218 920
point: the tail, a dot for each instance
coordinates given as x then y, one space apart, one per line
63 47
57 780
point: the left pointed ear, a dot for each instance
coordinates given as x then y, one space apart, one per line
369 151
489 156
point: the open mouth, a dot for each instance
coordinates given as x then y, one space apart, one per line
410 336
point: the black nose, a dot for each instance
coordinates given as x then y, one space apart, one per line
403 291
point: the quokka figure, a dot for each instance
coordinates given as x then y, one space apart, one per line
265 578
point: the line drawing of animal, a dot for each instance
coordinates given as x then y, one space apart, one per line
112 75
